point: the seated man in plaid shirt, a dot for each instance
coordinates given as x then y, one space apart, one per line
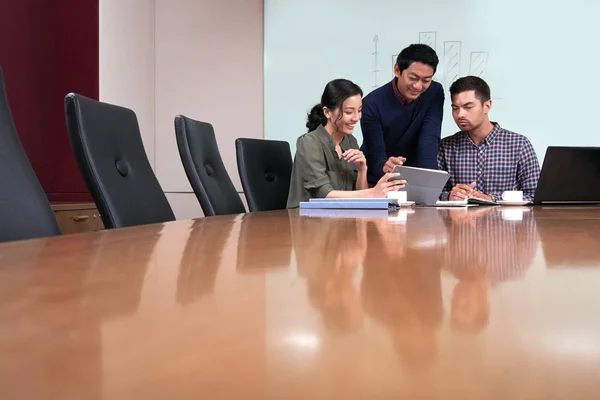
484 159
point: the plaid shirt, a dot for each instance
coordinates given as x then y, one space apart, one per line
503 161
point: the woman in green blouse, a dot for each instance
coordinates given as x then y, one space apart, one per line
328 162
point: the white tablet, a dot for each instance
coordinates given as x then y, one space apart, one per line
423 186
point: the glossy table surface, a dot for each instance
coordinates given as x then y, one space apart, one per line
477 303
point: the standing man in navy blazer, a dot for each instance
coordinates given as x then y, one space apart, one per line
402 120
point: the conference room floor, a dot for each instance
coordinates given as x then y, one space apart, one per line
464 303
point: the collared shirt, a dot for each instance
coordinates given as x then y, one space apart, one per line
399 95
392 129
503 161
318 169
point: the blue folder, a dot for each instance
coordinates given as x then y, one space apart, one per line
365 204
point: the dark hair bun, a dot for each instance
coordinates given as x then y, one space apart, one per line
316 117
334 95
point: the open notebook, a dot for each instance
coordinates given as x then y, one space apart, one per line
463 203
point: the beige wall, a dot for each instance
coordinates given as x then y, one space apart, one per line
127 60
200 58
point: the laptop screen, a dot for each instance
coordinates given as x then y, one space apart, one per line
569 175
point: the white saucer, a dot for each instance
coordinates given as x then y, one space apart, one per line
512 203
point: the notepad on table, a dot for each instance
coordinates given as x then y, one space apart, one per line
473 201
344 213
484 202
359 203
451 203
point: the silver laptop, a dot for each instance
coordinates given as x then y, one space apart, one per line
423 186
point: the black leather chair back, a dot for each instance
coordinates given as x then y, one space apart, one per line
204 168
25 212
108 147
265 168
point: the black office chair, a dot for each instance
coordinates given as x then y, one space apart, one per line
204 168
265 168
108 148
25 212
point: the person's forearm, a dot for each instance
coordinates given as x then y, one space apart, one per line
361 181
427 152
373 140
431 132
348 194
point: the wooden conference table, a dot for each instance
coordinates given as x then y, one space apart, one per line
478 303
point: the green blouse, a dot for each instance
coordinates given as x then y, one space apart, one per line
318 169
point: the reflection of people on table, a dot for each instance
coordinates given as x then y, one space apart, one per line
328 252
401 289
484 250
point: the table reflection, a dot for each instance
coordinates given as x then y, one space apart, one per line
60 349
201 258
569 235
401 282
328 255
485 248
264 242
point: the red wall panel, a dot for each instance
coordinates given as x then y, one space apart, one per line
49 48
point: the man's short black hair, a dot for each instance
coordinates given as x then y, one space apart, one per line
417 53
468 83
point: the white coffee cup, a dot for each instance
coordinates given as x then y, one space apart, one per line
400 195
512 195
